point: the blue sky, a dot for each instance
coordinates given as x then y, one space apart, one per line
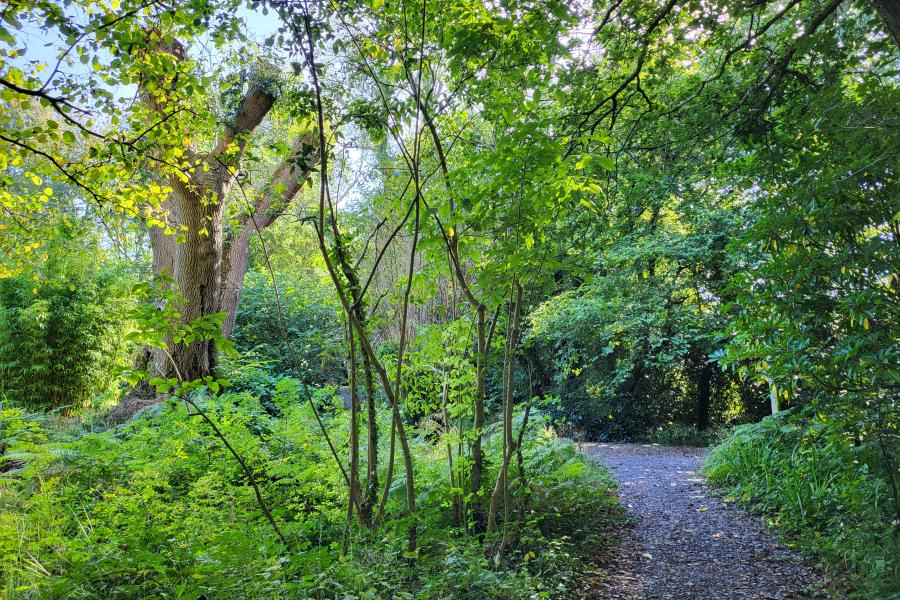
45 46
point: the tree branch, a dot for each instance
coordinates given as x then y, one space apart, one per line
286 182
254 107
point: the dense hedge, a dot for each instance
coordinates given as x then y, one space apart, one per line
61 338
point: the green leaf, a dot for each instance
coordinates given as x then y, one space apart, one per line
606 162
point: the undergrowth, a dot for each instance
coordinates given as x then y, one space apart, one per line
677 434
157 508
823 489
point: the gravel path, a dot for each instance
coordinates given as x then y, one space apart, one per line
685 544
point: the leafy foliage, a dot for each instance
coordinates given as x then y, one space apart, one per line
164 510
517 207
823 488
61 333
21 437
627 352
306 317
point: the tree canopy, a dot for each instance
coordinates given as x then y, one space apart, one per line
420 235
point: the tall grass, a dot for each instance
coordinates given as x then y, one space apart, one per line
825 492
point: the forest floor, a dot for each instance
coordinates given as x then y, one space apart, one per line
683 543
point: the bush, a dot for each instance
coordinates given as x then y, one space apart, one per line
163 510
61 338
21 437
624 362
311 317
677 434
824 491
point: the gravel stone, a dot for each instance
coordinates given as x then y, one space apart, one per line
683 543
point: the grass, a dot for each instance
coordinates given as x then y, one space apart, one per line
824 493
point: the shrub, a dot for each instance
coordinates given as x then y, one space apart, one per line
824 491
161 509
21 435
310 315
61 337
677 434
623 361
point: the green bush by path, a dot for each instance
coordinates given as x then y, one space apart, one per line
677 434
823 489
157 508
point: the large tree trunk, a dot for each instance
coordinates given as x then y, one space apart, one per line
195 205
234 269
286 182
198 268
889 11
162 247
209 269
208 272
151 359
